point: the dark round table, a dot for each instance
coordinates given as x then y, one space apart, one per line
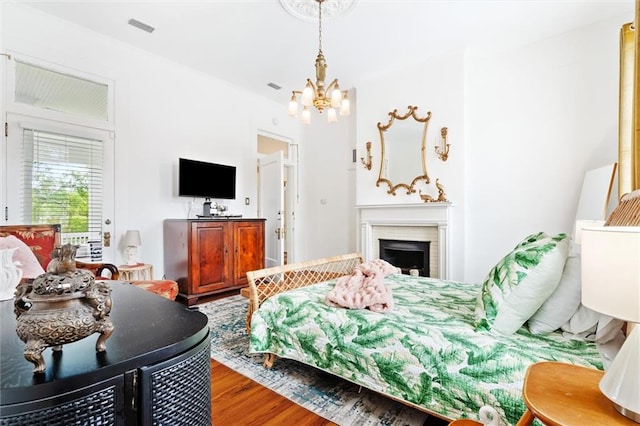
156 369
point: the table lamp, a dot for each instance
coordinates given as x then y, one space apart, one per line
584 223
132 241
611 286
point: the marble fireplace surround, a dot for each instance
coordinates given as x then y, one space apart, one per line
411 222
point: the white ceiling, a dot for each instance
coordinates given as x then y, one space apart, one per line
254 42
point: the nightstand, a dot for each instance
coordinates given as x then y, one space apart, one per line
561 394
141 271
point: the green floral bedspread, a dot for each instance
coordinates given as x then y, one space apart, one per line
425 351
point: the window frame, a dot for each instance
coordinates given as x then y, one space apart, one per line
58 116
18 115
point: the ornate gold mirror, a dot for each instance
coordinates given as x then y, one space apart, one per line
403 143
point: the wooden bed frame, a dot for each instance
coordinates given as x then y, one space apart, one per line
264 283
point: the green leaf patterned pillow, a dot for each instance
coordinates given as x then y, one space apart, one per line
521 282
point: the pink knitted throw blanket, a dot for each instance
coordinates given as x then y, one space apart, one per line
364 288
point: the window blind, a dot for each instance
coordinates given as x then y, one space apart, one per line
62 182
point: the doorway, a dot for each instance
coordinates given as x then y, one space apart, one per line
280 233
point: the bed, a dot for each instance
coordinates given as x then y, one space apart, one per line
433 351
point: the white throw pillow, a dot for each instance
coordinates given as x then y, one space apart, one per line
521 282
29 264
590 325
563 303
583 322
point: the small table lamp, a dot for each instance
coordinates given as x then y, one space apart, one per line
611 285
581 224
132 241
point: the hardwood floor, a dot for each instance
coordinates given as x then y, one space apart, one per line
237 400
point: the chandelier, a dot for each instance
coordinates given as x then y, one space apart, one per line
316 94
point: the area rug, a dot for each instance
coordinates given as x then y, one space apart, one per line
330 397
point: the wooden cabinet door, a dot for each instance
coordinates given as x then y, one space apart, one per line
249 249
210 258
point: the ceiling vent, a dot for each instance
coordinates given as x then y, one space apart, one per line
141 25
274 86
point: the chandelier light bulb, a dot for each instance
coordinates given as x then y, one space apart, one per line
331 116
306 115
345 108
336 97
307 95
293 106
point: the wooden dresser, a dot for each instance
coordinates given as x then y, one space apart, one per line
209 256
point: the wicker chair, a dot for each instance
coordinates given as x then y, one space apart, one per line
627 213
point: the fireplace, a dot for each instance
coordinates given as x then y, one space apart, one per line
410 222
406 255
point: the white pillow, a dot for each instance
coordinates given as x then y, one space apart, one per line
535 287
520 282
563 303
590 325
29 264
584 321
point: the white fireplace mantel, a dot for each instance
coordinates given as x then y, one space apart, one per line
406 215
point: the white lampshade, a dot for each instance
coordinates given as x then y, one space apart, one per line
611 271
132 239
331 116
611 285
336 97
306 115
345 108
581 224
293 107
307 95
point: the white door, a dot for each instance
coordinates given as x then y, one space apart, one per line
271 206
15 213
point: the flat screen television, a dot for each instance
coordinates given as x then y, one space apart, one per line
206 180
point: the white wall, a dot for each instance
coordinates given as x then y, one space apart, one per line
525 124
326 195
163 111
437 86
539 117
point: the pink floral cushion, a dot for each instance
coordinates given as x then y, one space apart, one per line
29 264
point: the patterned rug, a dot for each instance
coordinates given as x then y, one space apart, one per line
330 397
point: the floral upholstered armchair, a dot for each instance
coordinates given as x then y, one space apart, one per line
35 243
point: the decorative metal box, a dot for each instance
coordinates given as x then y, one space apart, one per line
61 306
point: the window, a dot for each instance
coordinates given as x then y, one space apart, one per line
61 182
59 163
57 91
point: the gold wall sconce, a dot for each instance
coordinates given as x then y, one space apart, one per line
443 153
367 163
